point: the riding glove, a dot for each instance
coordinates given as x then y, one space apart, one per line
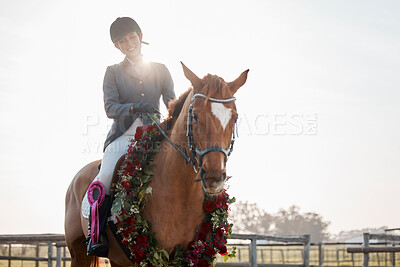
140 107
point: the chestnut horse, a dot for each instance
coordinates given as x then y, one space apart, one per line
175 209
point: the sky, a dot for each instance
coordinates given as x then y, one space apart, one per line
318 115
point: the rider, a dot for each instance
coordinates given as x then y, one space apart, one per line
132 89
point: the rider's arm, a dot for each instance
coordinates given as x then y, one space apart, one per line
168 92
114 109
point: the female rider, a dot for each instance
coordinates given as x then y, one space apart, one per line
132 89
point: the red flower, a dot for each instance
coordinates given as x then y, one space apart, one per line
136 163
190 245
206 228
130 221
126 184
210 252
128 169
201 236
210 206
126 233
222 250
142 239
220 232
150 128
203 263
139 132
125 242
222 200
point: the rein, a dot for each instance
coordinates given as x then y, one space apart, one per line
198 154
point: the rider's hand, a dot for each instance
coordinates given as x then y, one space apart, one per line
140 107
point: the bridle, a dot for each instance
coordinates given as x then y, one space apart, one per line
189 133
198 154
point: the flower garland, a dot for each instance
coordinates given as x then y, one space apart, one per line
129 201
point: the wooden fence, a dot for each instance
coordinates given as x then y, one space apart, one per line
366 249
294 251
50 240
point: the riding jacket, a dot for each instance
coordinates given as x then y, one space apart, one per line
123 86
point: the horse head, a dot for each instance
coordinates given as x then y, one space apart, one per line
211 123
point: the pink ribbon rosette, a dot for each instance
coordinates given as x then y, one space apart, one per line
96 194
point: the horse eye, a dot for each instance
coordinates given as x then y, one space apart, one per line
194 116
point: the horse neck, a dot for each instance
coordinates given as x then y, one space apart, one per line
180 176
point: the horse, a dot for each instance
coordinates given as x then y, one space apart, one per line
175 208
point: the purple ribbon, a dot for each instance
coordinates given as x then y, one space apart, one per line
95 204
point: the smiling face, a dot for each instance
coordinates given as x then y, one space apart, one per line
130 45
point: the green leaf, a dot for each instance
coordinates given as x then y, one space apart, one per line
165 253
148 172
116 206
145 178
149 190
120 194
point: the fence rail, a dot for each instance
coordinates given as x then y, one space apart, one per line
366 249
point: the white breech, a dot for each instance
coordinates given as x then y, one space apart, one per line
111 156
113 153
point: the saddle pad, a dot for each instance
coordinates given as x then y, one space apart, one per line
85 205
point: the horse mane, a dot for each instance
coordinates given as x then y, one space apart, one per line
174 109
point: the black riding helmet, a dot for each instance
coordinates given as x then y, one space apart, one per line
123 26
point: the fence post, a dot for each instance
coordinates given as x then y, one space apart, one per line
58 257
366 245
253 252
37 255
50 254
9 255
320 255
307 245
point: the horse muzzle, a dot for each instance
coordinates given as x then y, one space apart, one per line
212 181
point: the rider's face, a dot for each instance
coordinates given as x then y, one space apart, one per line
130 45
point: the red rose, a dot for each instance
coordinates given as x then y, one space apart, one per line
136 163
190 245
203 263
151 128
210 252
206 228
125 242
139 132
126 233
222 250
130 221
126 184
220 232
210 206
201 236
142 239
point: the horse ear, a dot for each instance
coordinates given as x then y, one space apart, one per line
190 75
236 84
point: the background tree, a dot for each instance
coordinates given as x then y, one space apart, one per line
249 218
292 222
